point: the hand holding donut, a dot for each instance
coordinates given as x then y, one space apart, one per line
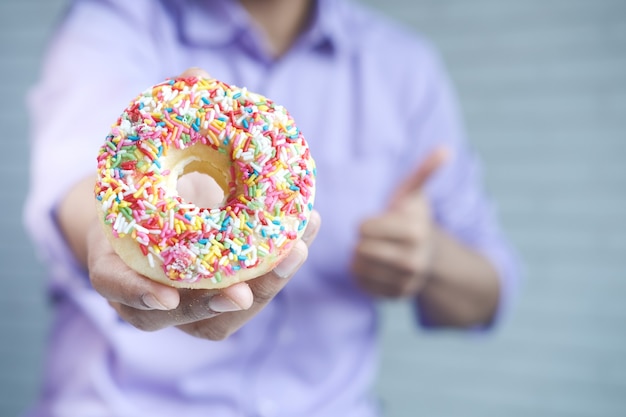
150 306
394 252
163 260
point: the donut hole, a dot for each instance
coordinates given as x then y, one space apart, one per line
200 189
199 175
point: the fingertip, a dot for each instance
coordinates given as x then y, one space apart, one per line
369 226
151 302
442 155
302 248
170 299
433 161
313 227
162 298
195 72
296 257
240 294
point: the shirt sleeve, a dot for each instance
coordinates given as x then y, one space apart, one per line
459 201
98 59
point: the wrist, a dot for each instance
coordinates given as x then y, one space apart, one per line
75 215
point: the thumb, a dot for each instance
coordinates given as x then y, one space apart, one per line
416 181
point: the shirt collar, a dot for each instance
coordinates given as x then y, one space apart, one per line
211 22
223 22
327 29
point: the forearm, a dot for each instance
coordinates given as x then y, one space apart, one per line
463 289
75 214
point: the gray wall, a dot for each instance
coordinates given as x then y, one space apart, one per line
24 25
543 87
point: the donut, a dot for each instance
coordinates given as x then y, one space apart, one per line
248 144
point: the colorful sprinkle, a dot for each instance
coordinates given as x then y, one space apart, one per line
271 185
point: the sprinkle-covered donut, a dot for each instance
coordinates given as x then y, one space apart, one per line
248 144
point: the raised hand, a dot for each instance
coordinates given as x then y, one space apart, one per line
394 252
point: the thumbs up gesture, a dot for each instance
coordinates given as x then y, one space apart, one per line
394 253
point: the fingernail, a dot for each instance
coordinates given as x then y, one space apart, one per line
152 302
221 304
289 265
307 235
310 231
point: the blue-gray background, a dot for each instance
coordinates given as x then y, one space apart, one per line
543 88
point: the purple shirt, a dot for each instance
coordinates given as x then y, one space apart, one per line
371 98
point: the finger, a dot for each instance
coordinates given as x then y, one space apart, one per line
199 305
391 290
196 306
395 227
193 306
420 176
116 282
394 258
368 272
236 297
312 228
264 289
379 281
242 301
195 72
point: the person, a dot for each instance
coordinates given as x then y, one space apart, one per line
400 213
